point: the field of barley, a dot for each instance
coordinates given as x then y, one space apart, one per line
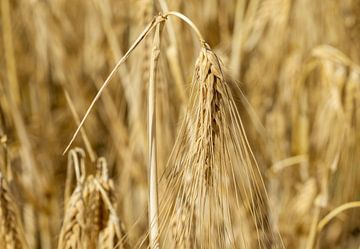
180 124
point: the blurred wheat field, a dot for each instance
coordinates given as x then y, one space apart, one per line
223 124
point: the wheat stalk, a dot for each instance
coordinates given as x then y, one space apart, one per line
153 195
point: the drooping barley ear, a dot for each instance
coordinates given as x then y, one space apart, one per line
212 172
97 213
114 234
183 238
73 231
93 211
11 229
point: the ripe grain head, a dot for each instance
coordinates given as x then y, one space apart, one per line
212 173
11 229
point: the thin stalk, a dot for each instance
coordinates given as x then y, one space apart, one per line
173 55
188 21
324 221
85 138
153 190
235 59
143 34
311 240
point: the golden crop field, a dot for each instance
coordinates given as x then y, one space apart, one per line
180 124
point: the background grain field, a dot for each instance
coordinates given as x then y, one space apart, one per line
257 124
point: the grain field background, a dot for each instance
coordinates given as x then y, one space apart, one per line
183 124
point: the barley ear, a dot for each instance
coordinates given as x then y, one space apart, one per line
11 229
114 234
73 231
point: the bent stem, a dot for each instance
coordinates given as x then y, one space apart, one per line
76 160
188 21
153 193
324 221
154 23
